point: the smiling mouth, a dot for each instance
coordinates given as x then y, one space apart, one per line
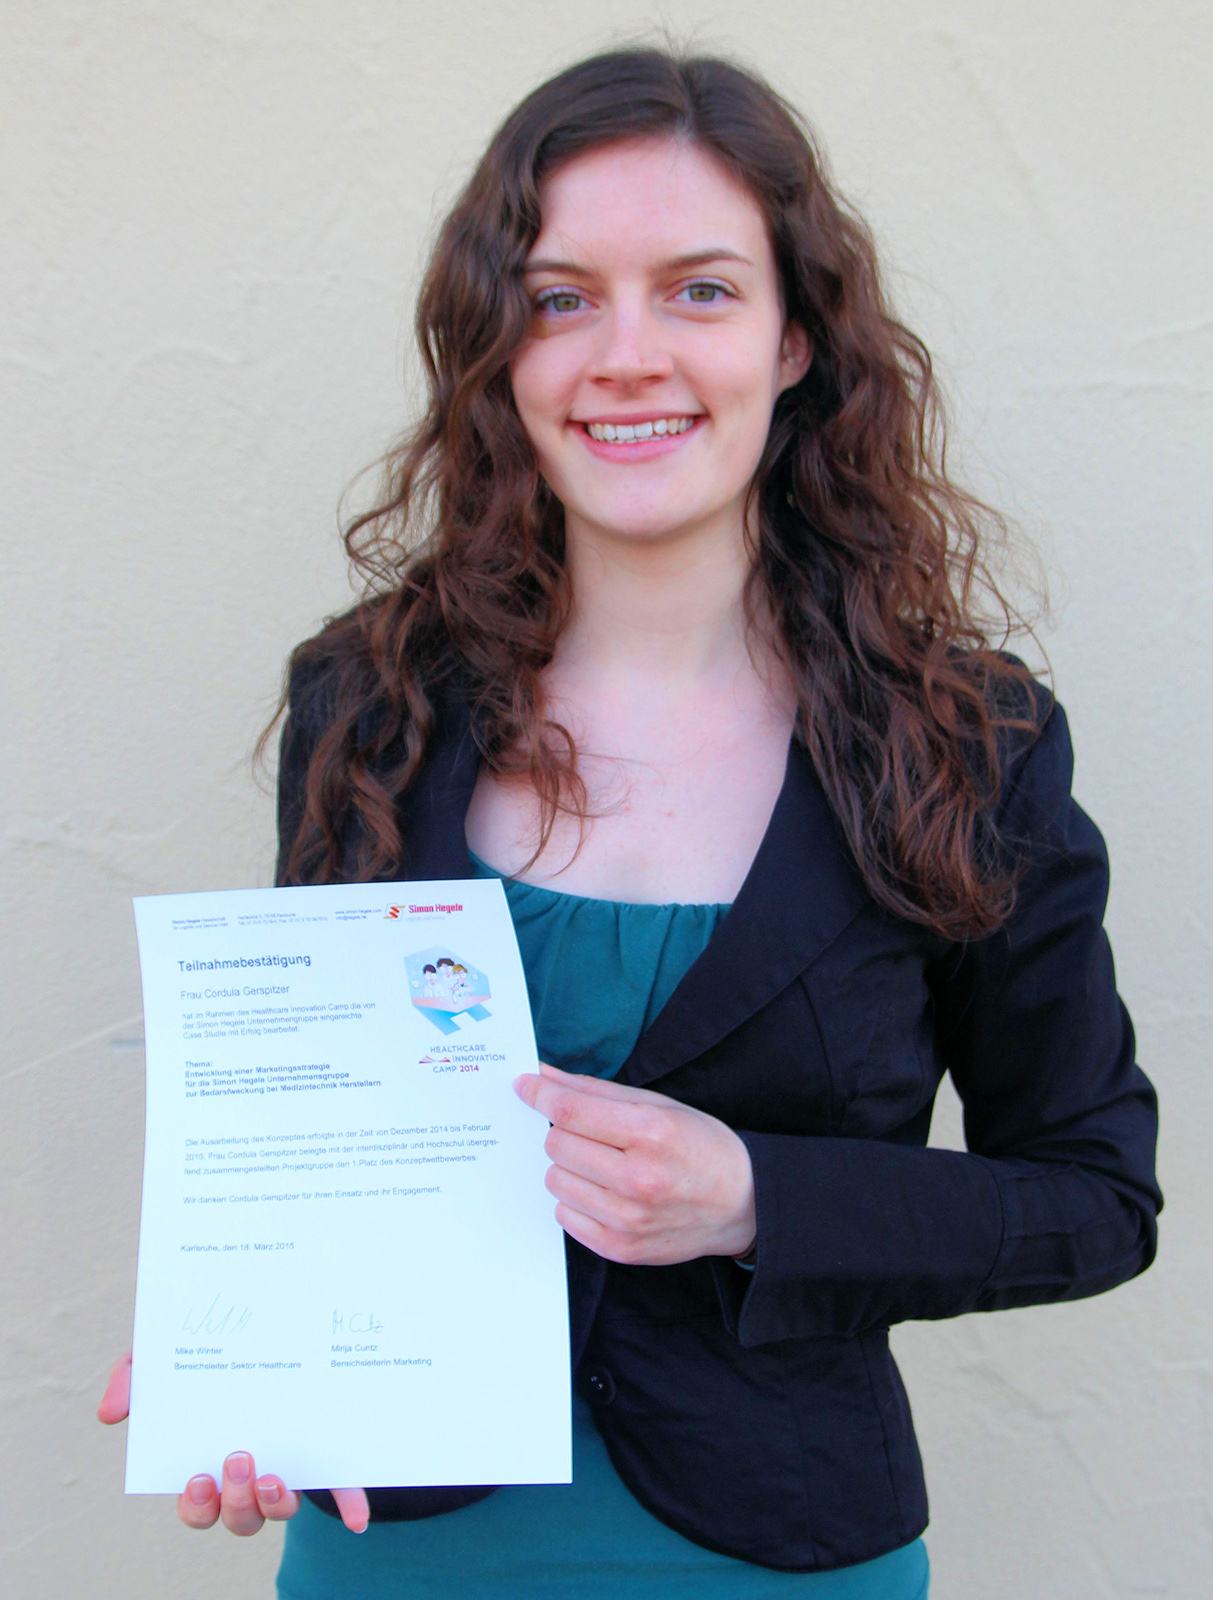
638 432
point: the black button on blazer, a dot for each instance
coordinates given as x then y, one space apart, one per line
761 1413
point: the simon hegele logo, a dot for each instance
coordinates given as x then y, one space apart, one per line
394 913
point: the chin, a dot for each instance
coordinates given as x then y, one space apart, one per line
646 530
647 522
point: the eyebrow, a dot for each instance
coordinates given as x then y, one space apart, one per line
694 258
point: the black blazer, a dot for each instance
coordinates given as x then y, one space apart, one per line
761 1413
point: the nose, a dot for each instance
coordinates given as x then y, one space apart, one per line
629 350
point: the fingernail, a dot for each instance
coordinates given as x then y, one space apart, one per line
199 1490
240 1467
268 1492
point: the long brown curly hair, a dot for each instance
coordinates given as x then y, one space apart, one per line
866 555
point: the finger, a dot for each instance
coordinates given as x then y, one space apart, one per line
609 1121
528 1084
609 1089
605 1088
116 1401
275 1501
198 1507
354 1507
589 1198
603 1241
600 1163
237 1496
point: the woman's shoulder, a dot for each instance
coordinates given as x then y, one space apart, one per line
1032 729
360 711
358 680
1035 814
1027 784
1003 712
322 669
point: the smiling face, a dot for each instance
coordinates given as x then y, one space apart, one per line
658 345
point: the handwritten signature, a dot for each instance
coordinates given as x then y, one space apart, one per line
221 1316
355 1322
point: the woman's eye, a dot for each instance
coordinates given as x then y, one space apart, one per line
559 300
703 294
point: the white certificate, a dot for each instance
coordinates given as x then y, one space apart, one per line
348 1262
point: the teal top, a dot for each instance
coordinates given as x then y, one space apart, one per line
598 972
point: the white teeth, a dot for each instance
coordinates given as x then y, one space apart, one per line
628 432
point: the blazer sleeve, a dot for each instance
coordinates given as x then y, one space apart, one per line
1055 1197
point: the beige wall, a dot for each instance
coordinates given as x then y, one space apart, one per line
212 221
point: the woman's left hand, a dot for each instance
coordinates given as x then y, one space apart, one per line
639 1177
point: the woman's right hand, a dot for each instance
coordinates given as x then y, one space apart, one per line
244 1501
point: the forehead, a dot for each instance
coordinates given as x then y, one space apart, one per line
648 199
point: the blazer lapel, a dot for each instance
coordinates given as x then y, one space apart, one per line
799 894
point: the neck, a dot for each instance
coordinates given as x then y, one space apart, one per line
671 610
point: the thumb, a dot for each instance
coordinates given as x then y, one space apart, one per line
116 1401
354 1507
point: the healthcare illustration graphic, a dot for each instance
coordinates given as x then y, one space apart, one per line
444 987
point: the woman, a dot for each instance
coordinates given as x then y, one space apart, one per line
670 624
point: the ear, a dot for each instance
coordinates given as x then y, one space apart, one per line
795 354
